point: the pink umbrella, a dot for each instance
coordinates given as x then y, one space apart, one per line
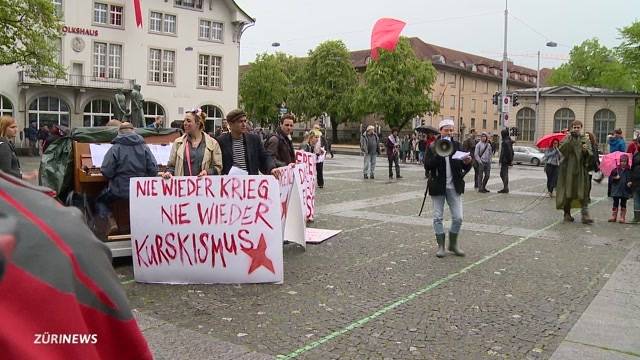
611 161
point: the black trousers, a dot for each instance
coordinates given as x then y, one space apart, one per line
476 175
319 174
552 176
391 162
504 175
619 201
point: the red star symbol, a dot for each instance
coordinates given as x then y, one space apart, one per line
258 256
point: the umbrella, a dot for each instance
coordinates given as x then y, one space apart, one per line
611 161
546 141
427 129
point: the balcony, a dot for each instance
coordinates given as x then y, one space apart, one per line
76 81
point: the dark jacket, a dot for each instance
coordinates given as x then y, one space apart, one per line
619 187
281 149
9 162
436 166
128 157
256 157
635 172
392 149
506 150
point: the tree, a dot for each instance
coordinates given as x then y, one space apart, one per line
397 86
326 84
592 64
29 33
264 87
629 51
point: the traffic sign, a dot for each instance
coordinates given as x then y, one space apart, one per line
506 120
506 104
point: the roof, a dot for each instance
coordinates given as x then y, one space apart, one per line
455 60
242 11
575 90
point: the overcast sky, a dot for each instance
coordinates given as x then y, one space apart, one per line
472 26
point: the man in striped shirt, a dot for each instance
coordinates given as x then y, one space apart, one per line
242 149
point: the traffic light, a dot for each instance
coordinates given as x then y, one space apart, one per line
496 98
514 100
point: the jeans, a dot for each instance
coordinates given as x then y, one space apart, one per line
391 162
455 205
504 175
484 171
103 203
370 163
552 176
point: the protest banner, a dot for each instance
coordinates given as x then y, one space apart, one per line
293 223
211 229
306 175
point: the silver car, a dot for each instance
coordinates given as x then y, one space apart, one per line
527 155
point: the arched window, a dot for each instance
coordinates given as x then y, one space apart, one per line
6 107
526 123
213 119
49 110
562 119
604 121
97 113
151 110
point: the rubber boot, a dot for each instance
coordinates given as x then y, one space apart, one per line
440 239
623 214
586 219
614 215
453 244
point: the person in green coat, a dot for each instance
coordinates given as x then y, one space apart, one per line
574 181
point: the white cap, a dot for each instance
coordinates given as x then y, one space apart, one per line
446 122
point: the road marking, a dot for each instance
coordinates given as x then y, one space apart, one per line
406 299
127 282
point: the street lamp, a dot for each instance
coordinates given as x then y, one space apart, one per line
275 45
548 44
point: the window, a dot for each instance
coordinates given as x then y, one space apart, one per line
48 110
484 107
210 30
151 110
57 4
210 71
604 121
495 124
161 66
486 87
453 102
107 60
6 107
107 14
473 123
213 119
443 76
192 4
162 23
97 113
462 82
461 103
562 119
475 85
484 124
455 80
526 124
473 105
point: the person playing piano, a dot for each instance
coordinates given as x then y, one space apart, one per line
129 157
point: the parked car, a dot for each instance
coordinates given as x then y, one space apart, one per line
527 155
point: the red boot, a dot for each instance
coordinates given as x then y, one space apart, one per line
623 213
614 215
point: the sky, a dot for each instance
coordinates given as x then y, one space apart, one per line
474 26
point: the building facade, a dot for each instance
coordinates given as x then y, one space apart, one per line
186 55
464 85
600 110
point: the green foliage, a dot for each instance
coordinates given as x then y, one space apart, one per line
265 86
29 31
593 64
325 83
629 51
397 86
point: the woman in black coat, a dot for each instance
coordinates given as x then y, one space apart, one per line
9 162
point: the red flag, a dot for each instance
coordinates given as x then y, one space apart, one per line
138 9
385 34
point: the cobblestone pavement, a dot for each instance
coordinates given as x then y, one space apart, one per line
377 291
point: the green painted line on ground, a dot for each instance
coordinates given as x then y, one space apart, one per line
404 300
127 282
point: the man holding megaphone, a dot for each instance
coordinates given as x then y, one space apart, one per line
446 182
